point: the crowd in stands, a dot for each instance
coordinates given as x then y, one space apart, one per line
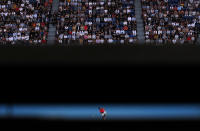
99 21
96 21
24 21
171 21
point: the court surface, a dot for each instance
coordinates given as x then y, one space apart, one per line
114 111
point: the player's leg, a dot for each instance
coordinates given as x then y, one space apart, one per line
104 115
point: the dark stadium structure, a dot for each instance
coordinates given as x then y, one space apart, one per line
71 22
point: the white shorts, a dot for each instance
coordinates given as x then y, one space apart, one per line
104 113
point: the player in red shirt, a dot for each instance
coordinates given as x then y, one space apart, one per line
103 113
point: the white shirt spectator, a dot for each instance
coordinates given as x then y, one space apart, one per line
110 40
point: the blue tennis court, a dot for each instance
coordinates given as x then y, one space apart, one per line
114 111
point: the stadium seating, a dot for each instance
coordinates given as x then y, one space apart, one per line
100 21
24 21
171 21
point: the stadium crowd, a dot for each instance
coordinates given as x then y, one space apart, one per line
99 21
174 21
24 21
